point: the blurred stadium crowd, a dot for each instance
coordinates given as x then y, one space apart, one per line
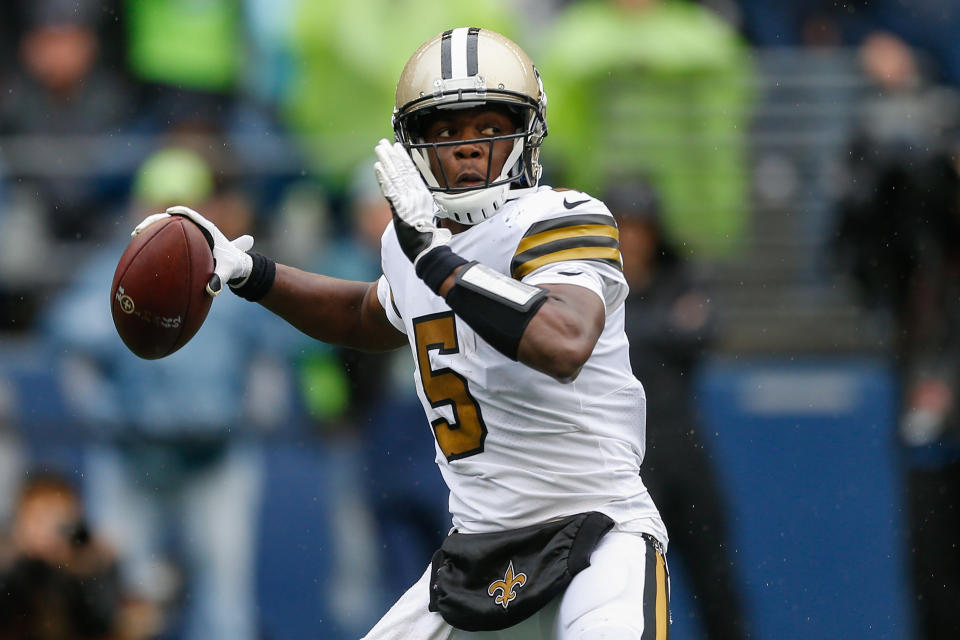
800 155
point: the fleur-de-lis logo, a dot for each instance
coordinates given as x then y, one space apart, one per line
506 586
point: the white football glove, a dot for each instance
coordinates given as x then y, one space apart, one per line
411 201
231 262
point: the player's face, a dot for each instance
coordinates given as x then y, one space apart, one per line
471 161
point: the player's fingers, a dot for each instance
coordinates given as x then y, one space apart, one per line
244 243
146 222
403 160
382 176
382 150
203 223
386 184
401 157
214 286
383 155
180 210
223 270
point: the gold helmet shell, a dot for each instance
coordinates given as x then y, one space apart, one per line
462 68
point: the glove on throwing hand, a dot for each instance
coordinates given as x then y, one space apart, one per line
232 264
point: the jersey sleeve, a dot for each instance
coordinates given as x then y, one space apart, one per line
581 248
605 281
385 295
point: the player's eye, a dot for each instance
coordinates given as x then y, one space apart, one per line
442 132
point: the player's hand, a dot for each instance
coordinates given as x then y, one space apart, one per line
411 201
231 262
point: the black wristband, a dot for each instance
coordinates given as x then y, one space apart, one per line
260 280
437 265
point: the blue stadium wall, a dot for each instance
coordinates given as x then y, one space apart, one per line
806 453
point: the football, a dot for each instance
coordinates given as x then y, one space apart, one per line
158 298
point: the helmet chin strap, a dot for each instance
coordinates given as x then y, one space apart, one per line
475 206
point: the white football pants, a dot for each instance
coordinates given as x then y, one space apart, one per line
623 595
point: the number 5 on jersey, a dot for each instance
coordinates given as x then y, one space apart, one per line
445 387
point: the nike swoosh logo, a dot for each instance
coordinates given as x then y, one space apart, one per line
571 205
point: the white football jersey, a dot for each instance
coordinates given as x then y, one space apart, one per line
515 446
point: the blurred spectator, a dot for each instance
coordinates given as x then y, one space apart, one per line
58 580
930 25
885 212
270 61
899 237
10 17
61 182
787 23
61 94
186 44
659 87
176 453
342 83
670 322
252 145
200 68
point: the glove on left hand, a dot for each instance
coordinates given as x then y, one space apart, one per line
410 200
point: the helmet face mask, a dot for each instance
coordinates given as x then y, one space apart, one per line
433 150
469 68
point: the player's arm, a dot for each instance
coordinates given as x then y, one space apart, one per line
552 330
342 312
560 333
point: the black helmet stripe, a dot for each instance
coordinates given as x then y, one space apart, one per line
472 64
458 53
446 60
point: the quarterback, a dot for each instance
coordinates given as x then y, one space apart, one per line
510 295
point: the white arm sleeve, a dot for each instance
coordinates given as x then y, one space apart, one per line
385 295
604 280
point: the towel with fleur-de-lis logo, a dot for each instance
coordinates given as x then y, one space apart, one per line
491 581
502 591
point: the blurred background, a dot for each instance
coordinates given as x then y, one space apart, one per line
786 179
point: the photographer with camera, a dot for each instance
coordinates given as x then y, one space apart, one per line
58 580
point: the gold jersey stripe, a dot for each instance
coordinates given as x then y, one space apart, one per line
606 254
580 230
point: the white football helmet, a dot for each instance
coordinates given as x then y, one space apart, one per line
463 68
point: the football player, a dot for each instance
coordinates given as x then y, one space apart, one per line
510 295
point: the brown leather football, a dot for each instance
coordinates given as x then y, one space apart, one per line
158 298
